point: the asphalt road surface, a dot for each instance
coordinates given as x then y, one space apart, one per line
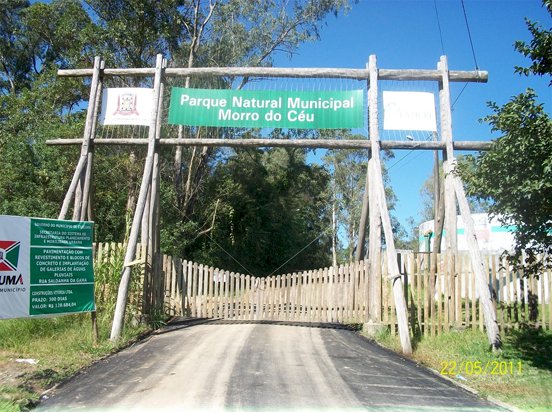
223 365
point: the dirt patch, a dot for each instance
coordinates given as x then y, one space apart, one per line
13 373
20 382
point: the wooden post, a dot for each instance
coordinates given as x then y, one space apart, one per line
395 277
120 308
154 233
449 197
83 173
303 143
455 185
374 238
336 73
86 208
359 253
437 235
374 256
86 140
481 277
145 241
85 211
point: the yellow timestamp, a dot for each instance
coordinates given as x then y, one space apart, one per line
491 367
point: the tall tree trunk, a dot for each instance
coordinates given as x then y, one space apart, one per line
196 30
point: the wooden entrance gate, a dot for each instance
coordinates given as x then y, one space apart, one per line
146 215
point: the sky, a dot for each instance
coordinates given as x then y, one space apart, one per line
405 34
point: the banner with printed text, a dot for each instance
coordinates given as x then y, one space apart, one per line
267 108
409 111
46 267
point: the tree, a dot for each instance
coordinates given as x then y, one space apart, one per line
427 194
516 173
348 170
263 211
35 105
14 57
37 38
539 50
237 33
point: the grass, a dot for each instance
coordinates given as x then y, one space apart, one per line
520 374
61 345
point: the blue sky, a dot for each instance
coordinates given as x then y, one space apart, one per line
404 34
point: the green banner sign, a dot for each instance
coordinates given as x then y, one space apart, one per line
270 108
46 267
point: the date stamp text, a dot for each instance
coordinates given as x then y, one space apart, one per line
493 367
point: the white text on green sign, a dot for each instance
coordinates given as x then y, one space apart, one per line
273 108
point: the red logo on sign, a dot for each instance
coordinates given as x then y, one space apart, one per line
9 255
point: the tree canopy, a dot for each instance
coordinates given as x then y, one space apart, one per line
243 208
515 175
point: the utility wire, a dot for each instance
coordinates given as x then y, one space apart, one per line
407 154
293 257
469 34
439 26
247 270
218 245
400 160
472 50
228 253
458 97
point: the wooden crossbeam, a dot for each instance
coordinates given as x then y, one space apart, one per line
355 74
307 143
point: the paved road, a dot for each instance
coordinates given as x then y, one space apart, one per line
222 365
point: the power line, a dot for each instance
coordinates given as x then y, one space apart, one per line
293 257
400 160
439 26
407 154
469 34
457 97
218 245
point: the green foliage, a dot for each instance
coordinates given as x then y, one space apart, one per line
348 171
539 50
427 193
33 175
516 174
62 346
244 38
14 58
130 33
39 38
108 267
259 208
525 379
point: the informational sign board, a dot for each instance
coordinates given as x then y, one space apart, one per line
46 267
492 236
409 111
127 106
267 108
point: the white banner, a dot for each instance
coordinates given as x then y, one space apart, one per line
409 111
127 106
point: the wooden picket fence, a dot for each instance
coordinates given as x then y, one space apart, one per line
437 300
324 295
447 299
